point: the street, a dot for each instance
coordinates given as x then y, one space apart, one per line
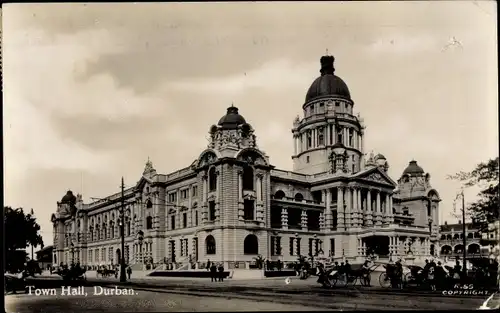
142 301
202 295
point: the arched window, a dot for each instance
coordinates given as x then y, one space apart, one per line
445 249
251 245
443 237
456 236
210 244
149 222
149 204
279 195
128 226
104 232
448 237
212 179
470 235
97 233
247 178
459 249
309 139
112 229
299 197
473 248
91 232
321 136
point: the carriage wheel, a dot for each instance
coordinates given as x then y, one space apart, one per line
384 281
352 280
409 280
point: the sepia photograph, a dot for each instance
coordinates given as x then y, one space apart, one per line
250 156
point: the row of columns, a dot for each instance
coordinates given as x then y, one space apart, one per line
329 134
353 215
400 245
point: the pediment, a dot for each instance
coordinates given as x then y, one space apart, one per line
249 196
376 175
142 182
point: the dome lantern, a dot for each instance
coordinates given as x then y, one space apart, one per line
413 169
327 84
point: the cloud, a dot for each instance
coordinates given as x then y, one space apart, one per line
281 73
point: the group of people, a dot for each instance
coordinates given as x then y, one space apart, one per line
216 271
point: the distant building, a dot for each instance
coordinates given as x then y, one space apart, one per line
478 244
231 205
44 257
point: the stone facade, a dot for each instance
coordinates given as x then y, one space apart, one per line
232 205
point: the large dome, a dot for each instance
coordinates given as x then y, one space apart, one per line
232 119
413 169
327 84
69 197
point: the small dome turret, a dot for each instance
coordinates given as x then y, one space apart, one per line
413 169
69 198
232 119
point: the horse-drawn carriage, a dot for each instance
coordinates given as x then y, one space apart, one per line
73 273
333 277
106 272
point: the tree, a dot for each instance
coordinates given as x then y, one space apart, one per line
21 231
486 177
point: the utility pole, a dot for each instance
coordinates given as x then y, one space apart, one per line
32 257
464 237
123 277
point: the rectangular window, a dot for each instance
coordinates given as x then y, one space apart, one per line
195 218
292 250
172 222
184 194
211 207
97 255
298 246
249 209
275 245
184 220
195 191
103 254
332 246
321 108
311 246
172 197
90 255
321 136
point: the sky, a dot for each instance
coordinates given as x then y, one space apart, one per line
92 90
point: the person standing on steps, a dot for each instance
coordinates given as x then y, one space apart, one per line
209 265
221 272
213 272
129 272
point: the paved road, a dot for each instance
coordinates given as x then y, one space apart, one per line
145 301
274 294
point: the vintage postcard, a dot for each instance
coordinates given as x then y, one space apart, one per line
250 156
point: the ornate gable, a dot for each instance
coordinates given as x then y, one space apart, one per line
142 182
376 175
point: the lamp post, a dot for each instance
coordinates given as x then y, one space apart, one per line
123 277
464 235
72 253
141 238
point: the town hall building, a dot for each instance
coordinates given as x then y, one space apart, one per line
232 205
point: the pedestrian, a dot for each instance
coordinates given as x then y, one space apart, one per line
129 272
280 265
221 272
213 272
209 265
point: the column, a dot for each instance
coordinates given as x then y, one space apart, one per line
284 218
354 213
304 220
369 212
260 188
390 218
327 135
348 213
378 217
334 134
328 210
240 186
340 208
